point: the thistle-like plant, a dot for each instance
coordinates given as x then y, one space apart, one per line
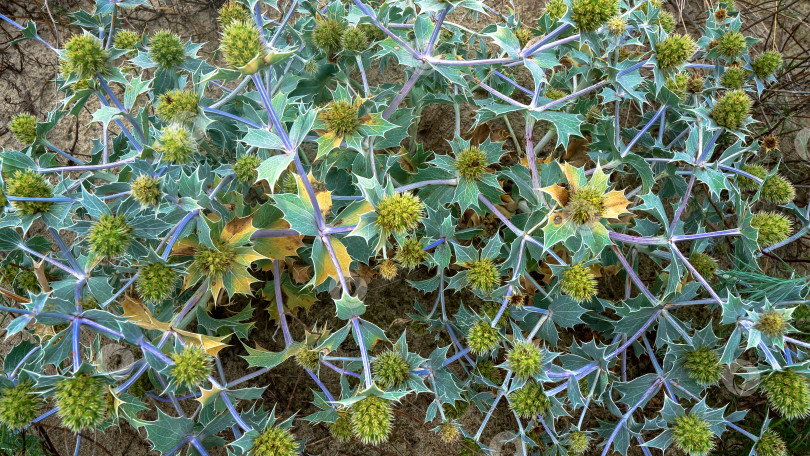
372 419
19 405
82 401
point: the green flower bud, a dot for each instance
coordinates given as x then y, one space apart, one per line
354 40
191 366
246 167
82 402
110 236
704 264
731 109
746 183
788 393
308 359
275 441
24 128
372 418
341 117
449 432
214 263
126 39
525 360
771 444
773 228
695 84
372 32
734 77
399 213
328 35
617 26
471 163
156 282
241 44
19 405
85 55
767 63
731 44
388 269
231 12
578 443
146 190
589 15
311 67
693 435
410 254
555 94
666 21
555 9
677 84
166 49
483 275
489 371
529 401
772 323
341 429
29 183
703 365
390 369
482 338
524 35
26 281
586 205
176 144
178 106
674 50
778 190
578 282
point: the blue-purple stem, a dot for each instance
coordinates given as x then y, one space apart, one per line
358 332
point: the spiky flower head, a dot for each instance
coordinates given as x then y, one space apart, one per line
399 213
788 393
373 33
341 429
85 55
746 183
703 365
19 405
578 442
176 144
772 323
388 269
778 190
529 401
731 44
156 282
731 109
178 106
245 168
191 366
311 67
578 282
449 432
215 262
471 163
767 63
231 12
31 184
491 309
341 117
585 205
720 14
483 275
24 128
241 43
482 338
166 49
371 420
523 34
390 369
771 444
275 441
307 358
695 84
677 84
328 35
126 39
525 359
589 15
410 253
489 371
770 143
555 9
734 77
354 39
146 190
674 50
110 235
773 228
693 435
704 264
26 281
82 402
666 21
617 26
555 93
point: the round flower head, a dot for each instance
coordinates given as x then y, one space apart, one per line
178 106
772 323
771 444
778 190
731 44
341 429
354 39
241 43
666 21
703 365
29 183
126 39
593 115
525 359
19 405
373 33
26 281
773 228
586 205
746 183
471 163
554 93
166 49
731 109
489 371
231 12
371 420
245 168
788 393
529 401
677 84
704 264
390 369
85 55
734 77
191 366
695 84
176 144
399 213
555 9
328 35
491 309
720 14
482 338
693 435
215 262
674 50
82 402
589 15
483 275
770 143
578 282
155 282
449 432
341 117
275 441
311 67
388 269
523 34
578 443
146 190
24 128
617 26
410 253
110 235
767 63
307 358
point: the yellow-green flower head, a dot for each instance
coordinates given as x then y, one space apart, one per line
449 432
617 26
778 190
82 402
19 405
146 190
245 168
372 418
308 359
731 44
471 163
191 366
275 441
491 309
586 205
578 282
328 35
26 281
241 43
126 39
354 39
589 15
703 365
773 228
734 77
85 55
110 236
390 369
695 84
704 264
388 269
373 33
772 323
410 254
311 67
215 262
399 213
483 275
482 338
341 429
489 371
677 84
341 117
746 183
156 282
578 442
529 401
176 144
666 21
523 34
29 183
166 49
788 393
232 11
693 435
554 93
771 444
24 127
525 359
674 50
555 9
178 106
731 109
767 63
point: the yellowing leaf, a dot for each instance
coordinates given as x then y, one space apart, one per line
292 297
206 395
327 268
615 204
558 192
238 230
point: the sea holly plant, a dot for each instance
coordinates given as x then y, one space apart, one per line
617 248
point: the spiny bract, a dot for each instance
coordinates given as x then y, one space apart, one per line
390 369
372 418
767 63
693 435
328 35
788 393
341 117
178 105
82 402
